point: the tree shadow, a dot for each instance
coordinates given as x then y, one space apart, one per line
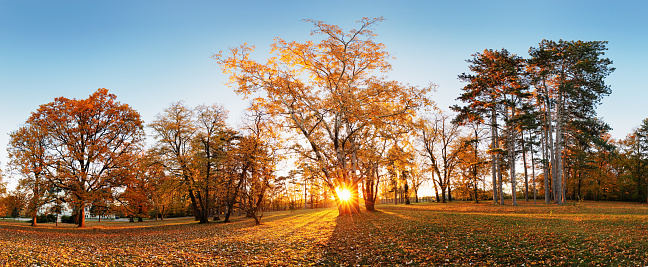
366 239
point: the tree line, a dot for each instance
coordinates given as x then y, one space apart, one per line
328 107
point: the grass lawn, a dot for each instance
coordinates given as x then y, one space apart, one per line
427 234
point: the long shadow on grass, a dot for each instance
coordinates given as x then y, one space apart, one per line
370 238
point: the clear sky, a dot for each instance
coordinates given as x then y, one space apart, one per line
152 53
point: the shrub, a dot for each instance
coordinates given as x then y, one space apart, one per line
45 218
69 219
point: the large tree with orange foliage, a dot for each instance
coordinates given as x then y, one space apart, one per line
329 92
92 143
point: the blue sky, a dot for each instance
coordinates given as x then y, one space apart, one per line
152 53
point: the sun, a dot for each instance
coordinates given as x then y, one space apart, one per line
343 193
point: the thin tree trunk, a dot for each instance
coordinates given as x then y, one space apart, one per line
533 169
578 191
550 141
35 199
449 190
436 189
526 172
565 177
476 190
545 165
559 149
494 156
500 187
512 165
499 171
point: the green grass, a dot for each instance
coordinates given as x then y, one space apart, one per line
430 234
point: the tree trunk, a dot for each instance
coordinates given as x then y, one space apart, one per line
533 170
436 189
228 212
559 149
499 172
500 183
257 219
526 172
369 195
443 194
194 205
578 191
406 194
375 189
550 142
512 166
494 158
476 190
545 164
449 190
81 219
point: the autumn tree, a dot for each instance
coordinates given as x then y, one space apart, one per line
29 158
135 196
483 96
569 79
441 145
191 145
642 139
496 91
14 203
3 192
92 141
373 155
102 203
400 165
634 159
417 177
249 169
262 143
174 131
165 191
471 166
3 184
603 175
514 93
328 92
